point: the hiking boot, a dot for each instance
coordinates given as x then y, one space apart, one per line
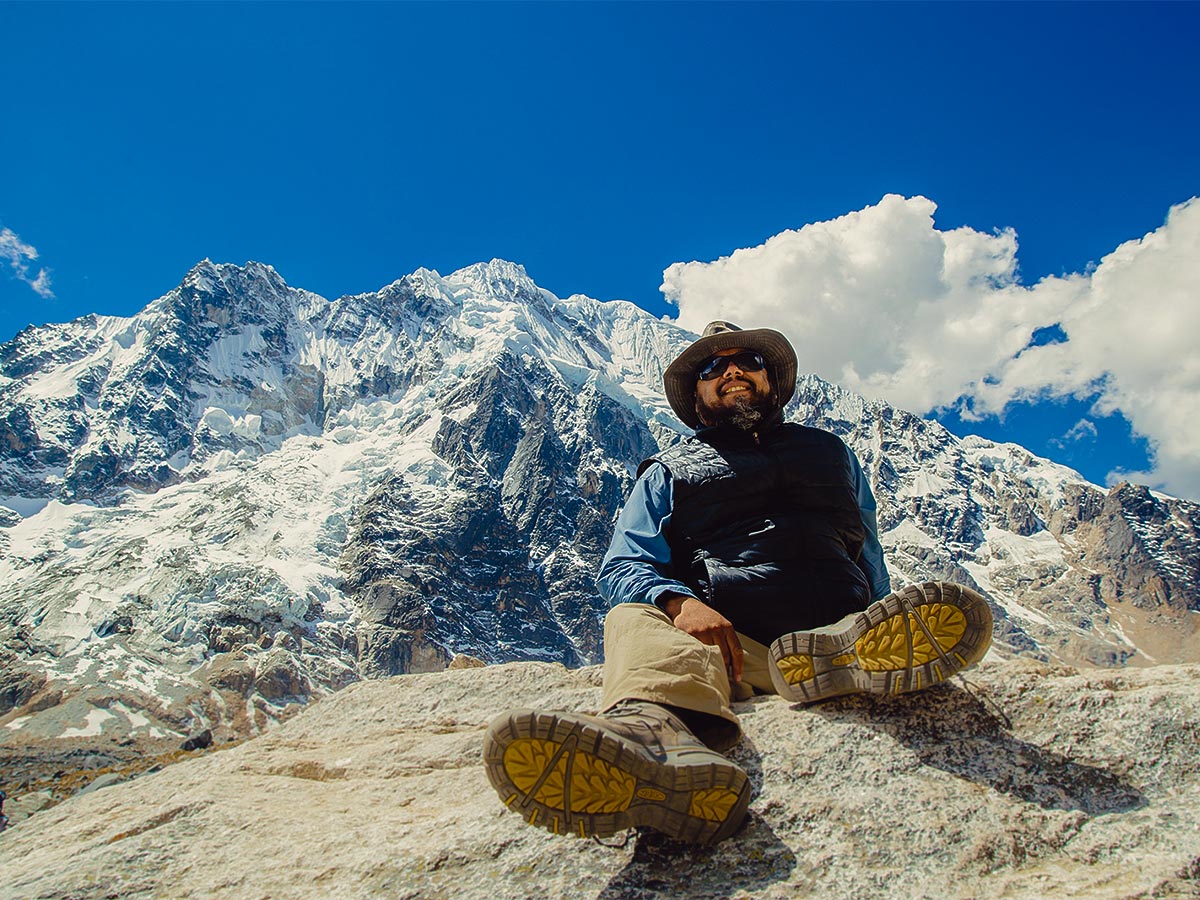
636 764
905 642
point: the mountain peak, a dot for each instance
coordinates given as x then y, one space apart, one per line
498 278
210 276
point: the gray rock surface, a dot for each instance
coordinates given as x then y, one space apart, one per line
378 791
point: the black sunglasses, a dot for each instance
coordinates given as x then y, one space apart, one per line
747 361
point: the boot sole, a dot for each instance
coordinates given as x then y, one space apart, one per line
569 776
887 649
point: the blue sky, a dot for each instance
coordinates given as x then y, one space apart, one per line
600 144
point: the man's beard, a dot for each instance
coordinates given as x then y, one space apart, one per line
747 412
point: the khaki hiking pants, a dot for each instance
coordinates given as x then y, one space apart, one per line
647 658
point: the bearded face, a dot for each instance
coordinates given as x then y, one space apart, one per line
738 397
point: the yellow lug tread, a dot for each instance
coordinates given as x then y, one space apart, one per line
713 804
899 642
596 786
909 640
796 668
612 782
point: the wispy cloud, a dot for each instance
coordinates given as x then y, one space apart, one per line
19 254
884 303
1084 429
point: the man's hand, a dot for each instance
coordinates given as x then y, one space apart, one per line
707 626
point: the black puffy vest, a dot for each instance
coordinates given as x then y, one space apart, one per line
766 528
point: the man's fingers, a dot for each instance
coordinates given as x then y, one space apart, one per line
709 627
731 651
735 656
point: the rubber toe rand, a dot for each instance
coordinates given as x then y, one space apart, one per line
570 775
907 641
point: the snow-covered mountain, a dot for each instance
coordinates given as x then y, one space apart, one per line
247 496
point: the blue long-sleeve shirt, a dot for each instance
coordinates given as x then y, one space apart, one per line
637 567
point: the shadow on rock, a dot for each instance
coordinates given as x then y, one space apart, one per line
751 859
952 730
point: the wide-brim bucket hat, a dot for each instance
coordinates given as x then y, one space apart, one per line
679 381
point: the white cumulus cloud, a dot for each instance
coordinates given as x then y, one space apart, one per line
884 303
19 254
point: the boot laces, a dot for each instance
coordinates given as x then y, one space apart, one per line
971 689
645 722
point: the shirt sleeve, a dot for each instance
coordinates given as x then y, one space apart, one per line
871 560
637 566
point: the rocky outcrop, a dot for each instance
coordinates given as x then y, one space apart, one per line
1090 789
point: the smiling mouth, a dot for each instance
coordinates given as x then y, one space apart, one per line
736 387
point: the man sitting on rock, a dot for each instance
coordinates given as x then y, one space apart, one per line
746 558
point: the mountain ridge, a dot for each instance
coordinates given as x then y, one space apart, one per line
247 496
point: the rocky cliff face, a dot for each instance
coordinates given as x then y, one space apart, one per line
1074 572
379 791
247 496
